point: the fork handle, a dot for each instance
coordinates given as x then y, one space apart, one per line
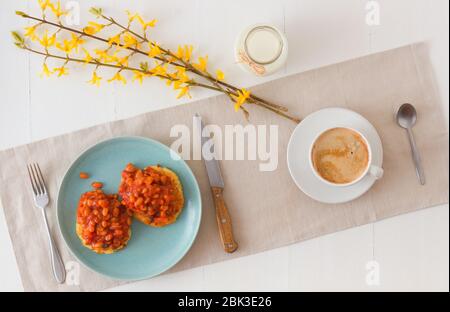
59 271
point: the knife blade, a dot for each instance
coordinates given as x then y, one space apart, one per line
217 186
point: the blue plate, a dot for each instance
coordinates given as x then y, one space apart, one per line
150 251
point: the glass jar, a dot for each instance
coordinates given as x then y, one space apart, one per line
261 49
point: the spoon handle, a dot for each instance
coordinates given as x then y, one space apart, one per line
416 157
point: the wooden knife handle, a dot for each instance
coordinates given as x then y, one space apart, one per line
224 221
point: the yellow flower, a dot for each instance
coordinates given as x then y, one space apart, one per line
145 25
202 63
47 41
93 28
243 96
100 53
184 91
89 30
181 75
159 69
180 52
139 76
114 40
56 9
220 75
46 71
30 32
44 4
130 40
154 50
95 79
76 41
88 57
188 52
177 85
118 77
131 16
123 61
185 52
62 71
105 57
66 46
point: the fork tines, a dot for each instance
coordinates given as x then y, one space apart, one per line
37 179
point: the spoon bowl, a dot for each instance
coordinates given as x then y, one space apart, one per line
406 116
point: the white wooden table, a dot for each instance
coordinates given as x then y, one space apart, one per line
412 250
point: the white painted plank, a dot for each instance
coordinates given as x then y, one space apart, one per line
189 280
324 32
267 271
14 122
334 262
413 251
14 82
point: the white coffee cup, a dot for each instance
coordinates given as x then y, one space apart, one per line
371 169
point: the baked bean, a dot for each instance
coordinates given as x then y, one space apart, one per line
139 202
84 175
98 245
115 226
130 168
86 212
97 185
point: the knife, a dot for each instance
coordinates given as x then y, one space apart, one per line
217 186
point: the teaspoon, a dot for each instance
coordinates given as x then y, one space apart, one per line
406 118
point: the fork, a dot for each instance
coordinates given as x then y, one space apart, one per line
41 200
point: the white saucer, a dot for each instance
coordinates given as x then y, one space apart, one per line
298 154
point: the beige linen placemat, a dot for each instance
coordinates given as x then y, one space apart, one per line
373 86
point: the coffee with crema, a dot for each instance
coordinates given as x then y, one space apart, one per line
340 155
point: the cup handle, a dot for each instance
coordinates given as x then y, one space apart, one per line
376 172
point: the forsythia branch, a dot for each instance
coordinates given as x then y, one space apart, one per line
173 67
